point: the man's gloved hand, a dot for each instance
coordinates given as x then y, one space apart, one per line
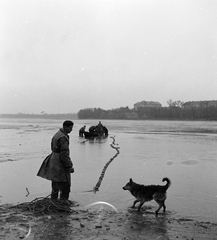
72 170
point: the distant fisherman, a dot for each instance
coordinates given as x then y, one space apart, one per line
100 129
58 165
81 131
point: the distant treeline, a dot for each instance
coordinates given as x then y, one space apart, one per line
161 113
43 116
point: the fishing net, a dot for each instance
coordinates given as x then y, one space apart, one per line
45 205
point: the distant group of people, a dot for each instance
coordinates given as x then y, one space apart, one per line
98 129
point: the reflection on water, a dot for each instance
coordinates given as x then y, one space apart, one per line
184 151
157 227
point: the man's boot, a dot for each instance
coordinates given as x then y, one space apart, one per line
64 198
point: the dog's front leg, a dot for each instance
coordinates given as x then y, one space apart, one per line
134 203
140 205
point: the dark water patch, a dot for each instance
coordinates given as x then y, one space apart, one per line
7 160
139 137
32 130
5 127
29 131
189 162
169 163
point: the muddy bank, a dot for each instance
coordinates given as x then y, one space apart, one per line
100 224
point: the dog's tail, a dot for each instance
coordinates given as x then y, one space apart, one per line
168 182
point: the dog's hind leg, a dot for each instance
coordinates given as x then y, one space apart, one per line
134 203
164 206
161 204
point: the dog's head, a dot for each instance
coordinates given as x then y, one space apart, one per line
129 185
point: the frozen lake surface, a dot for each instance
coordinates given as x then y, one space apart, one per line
184 151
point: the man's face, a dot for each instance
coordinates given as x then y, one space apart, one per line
69 129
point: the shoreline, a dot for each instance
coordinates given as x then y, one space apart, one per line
73 117
100 224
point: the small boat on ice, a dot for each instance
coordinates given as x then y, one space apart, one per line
91 135
98 131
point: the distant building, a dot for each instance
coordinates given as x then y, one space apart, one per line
200 104
147 104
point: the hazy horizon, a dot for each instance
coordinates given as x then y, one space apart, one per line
43 112
63 56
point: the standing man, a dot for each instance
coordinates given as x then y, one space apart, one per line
100 129
81 131
58 165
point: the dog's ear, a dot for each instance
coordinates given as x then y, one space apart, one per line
131 179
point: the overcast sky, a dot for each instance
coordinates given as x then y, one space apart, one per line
60 56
